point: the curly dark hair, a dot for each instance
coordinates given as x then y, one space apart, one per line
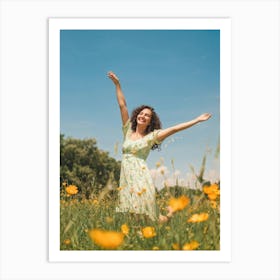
155 121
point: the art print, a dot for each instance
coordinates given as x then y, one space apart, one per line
140 167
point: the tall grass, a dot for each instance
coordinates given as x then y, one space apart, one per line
79 216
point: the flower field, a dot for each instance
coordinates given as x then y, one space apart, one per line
93 224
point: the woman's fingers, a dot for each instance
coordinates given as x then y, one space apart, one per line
113 77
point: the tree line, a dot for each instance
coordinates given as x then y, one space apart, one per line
84 165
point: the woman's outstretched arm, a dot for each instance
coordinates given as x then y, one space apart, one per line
176 128
120 97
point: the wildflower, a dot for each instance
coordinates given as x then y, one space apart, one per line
191 246
125 229
142 191
197 218
177 204
212 191
158 164
149 232
106 239
95 201
71 190
67 241
213 196
155 248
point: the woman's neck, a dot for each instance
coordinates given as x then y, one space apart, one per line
140 130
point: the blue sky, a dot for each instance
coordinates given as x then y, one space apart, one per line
175 71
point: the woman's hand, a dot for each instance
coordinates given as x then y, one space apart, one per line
120 97
203 117
113 77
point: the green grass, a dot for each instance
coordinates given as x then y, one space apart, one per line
78 216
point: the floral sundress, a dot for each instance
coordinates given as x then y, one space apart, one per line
136 188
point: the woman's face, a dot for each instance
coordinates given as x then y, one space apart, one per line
144 117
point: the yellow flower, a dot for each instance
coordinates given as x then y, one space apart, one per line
72 189
176 246
213 196
125 229
158 164
191 246
119 188
149 232
106 239
95 201
142 191
155 248
177 204
67 241
197 218
212 191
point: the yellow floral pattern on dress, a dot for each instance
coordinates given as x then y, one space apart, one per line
137 194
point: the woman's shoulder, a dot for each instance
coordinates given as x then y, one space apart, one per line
153 134
127 124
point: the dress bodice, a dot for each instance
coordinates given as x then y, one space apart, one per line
139 148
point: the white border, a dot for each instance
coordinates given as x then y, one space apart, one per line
222 24
24 123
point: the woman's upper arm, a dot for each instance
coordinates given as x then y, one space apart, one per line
124 114
164 133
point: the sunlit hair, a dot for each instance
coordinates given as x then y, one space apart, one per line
154 124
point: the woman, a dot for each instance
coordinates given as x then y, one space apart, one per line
142 132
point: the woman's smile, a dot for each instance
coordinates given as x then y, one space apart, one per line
141 119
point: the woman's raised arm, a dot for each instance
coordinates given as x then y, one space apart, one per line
120 97
176 128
